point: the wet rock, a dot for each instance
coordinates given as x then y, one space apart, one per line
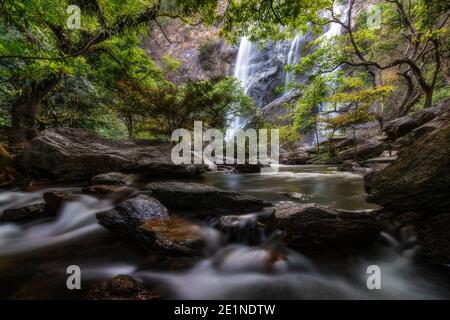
296 157
434 239
175 236
267 66
71 154
25 214
312 227
115 178
130 214
55 200
352 166
298 196
419 180
203 200
365 151
248 168
249 228
404 125
122 287
116 194
402 143
106 189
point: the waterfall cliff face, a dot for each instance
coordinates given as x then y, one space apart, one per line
262 69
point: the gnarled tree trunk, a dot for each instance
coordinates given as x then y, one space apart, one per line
25 111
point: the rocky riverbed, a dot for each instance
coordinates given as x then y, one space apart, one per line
140 227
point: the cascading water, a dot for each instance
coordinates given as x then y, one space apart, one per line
293 58
242 73
242 69
76 220
248 266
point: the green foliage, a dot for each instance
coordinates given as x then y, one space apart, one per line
308 107
163 109
91 62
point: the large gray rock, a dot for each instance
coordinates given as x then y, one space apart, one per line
402 126
203 200
311 227
296 157
419 180
434 239
76 154
368 150
116 178
145 220
130 214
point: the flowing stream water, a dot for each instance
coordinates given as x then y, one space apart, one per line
34 257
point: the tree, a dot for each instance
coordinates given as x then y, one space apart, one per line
356 102
413 39
37 48
161 110
308 108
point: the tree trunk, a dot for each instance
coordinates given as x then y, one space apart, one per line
447 72
429 98
355 150
25 111
130 128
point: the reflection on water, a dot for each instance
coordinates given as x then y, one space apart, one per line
325 184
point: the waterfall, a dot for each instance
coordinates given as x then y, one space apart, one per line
293 58
242 73
242 69
335 29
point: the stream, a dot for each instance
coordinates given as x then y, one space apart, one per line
34 256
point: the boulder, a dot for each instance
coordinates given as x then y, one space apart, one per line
298 196
247 168
311 227
364 151
419 180
351 166
297 157
434 239
247 228
203 200
121 287
77 154
175 236
55 200
25 214
402 126
116 178
130 214
107 189
116 194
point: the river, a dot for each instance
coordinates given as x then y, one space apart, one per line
34 257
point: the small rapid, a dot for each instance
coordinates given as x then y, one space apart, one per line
76 220
230 268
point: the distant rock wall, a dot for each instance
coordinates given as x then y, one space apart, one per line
203 54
